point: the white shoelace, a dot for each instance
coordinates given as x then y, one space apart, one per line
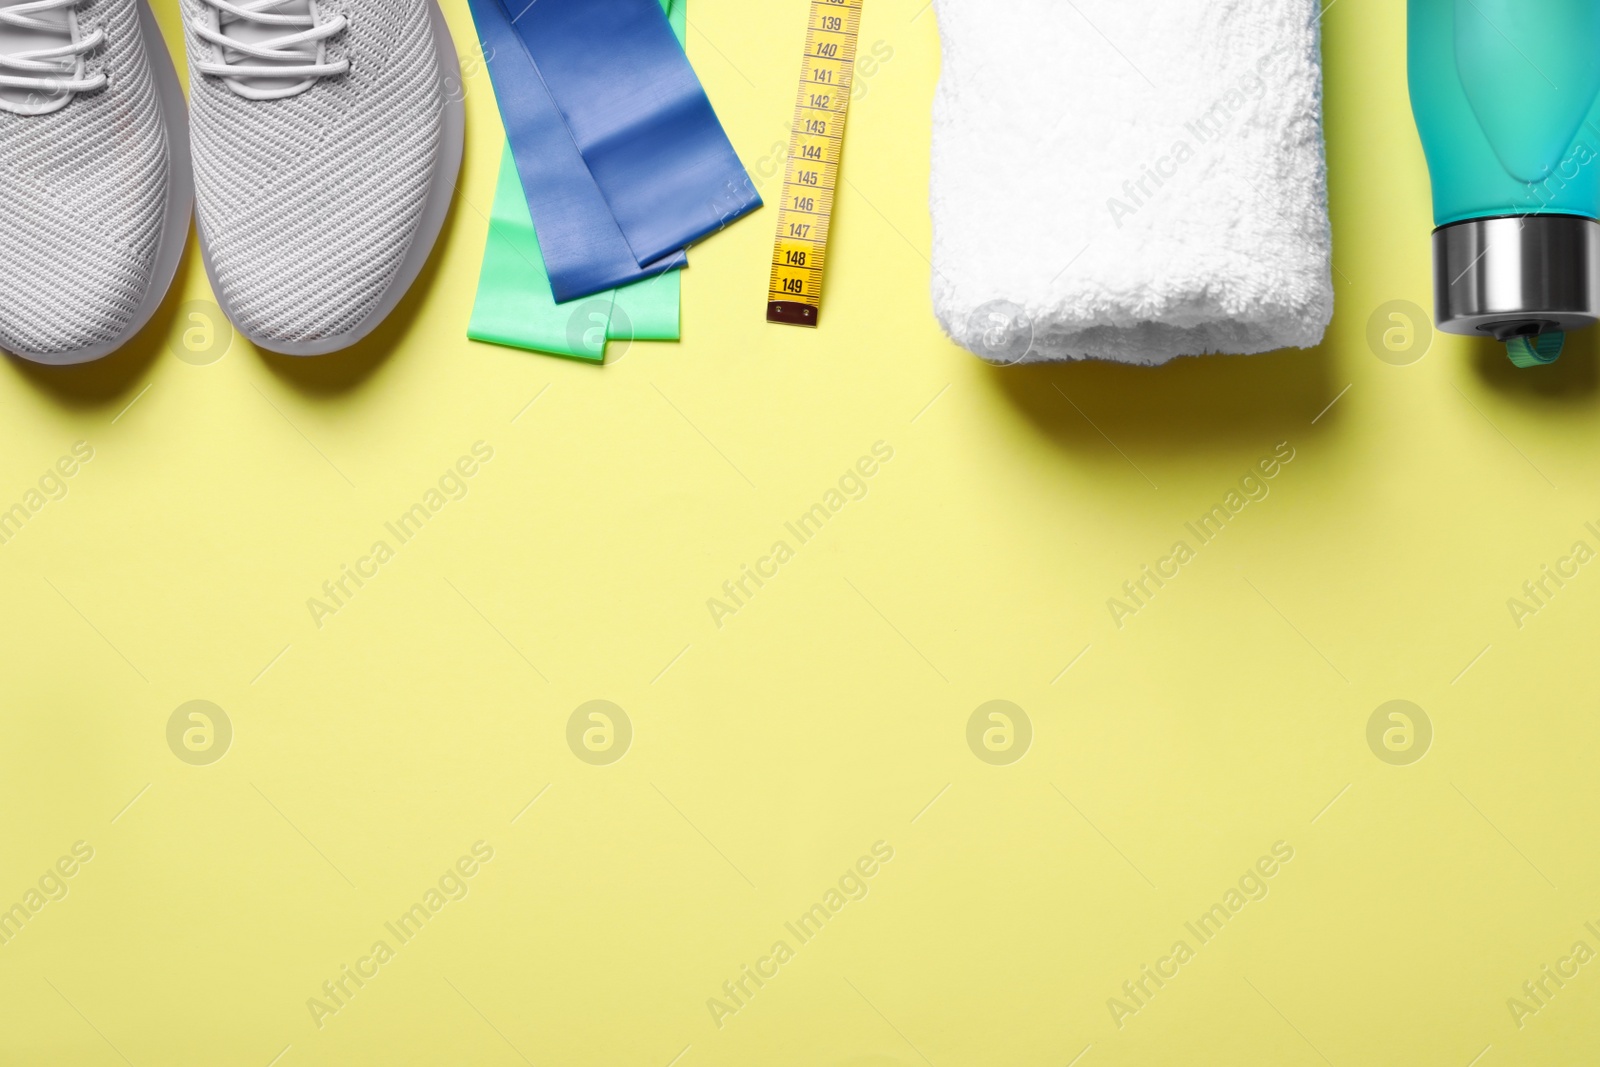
50 74
299 57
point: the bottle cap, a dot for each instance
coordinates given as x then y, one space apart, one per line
1519 279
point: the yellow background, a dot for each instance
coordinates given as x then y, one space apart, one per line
830 711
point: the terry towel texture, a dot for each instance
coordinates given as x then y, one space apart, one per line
1130 180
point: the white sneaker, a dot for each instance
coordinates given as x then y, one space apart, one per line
327 139
94 176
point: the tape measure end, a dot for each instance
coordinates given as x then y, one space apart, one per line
790 313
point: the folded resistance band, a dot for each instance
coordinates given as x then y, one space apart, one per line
514 304
583 248
641 121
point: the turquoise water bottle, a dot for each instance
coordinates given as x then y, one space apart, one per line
1506 95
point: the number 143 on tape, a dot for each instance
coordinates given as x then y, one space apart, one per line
827 72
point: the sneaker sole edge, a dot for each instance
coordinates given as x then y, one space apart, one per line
447 169
180 201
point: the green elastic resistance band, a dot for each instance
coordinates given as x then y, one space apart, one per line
514 306
1537 350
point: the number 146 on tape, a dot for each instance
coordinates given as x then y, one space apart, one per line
805 215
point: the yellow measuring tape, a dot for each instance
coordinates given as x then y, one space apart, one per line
827 73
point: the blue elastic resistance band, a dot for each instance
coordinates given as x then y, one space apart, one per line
584 249
640 118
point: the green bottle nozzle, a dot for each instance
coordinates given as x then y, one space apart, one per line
1535 350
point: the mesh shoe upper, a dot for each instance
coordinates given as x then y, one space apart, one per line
82 199
308 204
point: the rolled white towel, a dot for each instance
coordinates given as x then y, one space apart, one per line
1130 180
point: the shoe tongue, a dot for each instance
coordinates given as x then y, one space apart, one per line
18 39
247 32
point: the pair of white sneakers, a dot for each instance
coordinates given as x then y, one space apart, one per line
319 148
